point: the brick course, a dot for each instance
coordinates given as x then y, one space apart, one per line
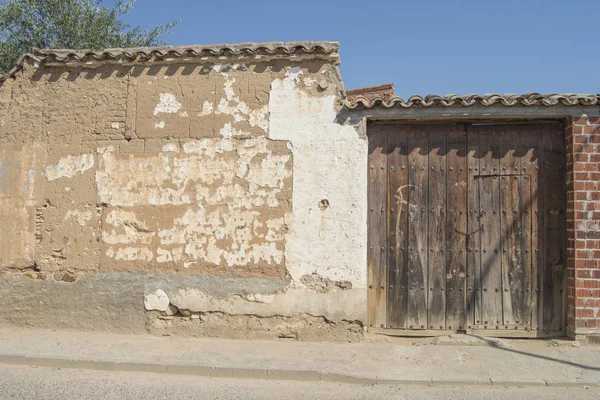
385 91
582 138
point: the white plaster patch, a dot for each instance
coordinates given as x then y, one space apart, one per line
168 104
82 216
292 78
202 146
115 125
229 92
259 118
330 162
156 301
589 225
189 177
221 192
228 131
207 108
126 227
201 235
105 149
163 255
261 298
171 148
159 125
173 255
130 254
335 306
232 105
309 82
238 109
70 166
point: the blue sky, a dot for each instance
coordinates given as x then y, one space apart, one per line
422 46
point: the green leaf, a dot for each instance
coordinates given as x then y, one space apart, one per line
69 24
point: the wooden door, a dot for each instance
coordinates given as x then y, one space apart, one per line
467 228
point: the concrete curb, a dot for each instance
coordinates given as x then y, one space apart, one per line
270 373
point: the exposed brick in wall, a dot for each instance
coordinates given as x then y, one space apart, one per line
583 225
385 91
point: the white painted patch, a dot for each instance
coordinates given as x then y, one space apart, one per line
115 125
335 306
174 255
82 216
122 227
259 117
187 178
309 82
171 148
207 108
130 254
232 105
292 78
158 301
261 298
330 162
229 92
589 225
163 255
70 166
202 235
228 131
168 104
159 125
101 150
217 191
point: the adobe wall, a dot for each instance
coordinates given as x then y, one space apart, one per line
223 193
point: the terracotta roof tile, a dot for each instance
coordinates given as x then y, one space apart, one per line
328 50
196 51
385 91
527 99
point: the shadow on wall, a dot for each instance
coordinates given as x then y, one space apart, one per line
55 73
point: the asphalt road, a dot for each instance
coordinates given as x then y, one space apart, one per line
21 382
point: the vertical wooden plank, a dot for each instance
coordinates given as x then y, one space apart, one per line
489 202
473 237
526 249
398 190
377 226
456 228
530 162
555 210
511 227
546 286
437 227
417 228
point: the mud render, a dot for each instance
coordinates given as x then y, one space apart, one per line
228 191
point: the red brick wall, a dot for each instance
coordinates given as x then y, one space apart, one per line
583 225
385 91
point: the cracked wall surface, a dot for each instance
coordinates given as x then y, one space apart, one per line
230 169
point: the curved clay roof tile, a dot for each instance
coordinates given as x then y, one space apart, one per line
486 100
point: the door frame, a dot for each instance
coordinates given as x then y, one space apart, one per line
375 298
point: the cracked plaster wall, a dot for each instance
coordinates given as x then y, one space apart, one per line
235 169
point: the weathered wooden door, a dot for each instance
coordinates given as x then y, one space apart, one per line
467 228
